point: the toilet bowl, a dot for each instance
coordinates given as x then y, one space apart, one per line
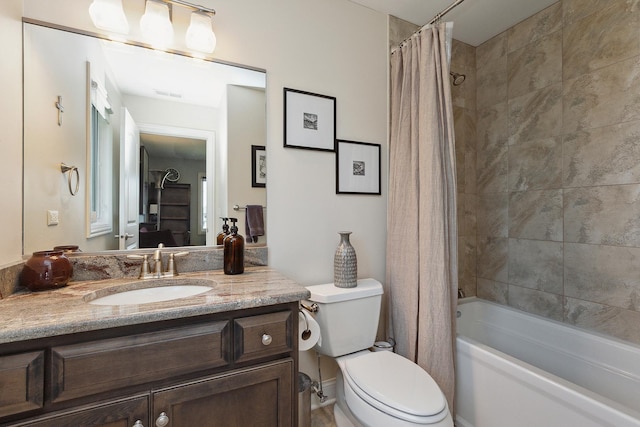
373 389
386 390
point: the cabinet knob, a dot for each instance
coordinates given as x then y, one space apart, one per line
266 339
138 423
162 420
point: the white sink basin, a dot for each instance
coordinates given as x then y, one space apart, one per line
157 293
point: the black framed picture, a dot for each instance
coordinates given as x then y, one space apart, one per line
358 168
258 166
309 120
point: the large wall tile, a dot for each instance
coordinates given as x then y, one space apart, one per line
608 215
536 215
464 123
535 66
604 274
607 36
602 156
535 27
491 83
536 164
491 51
493 168
467 264
536 302
536 264
536 115
573 10
492 215
493 291
603 318
492 125
603 97
493 258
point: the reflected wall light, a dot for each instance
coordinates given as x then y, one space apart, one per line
109 15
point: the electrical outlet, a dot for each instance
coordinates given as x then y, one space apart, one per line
52 218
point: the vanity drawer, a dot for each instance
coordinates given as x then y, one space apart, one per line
21 382
83 369
263 335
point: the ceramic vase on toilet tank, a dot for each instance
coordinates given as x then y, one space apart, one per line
345 263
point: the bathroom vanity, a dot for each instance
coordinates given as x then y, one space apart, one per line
225 357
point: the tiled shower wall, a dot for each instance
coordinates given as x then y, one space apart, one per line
558 165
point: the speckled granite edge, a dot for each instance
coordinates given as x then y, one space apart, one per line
30 315
116 265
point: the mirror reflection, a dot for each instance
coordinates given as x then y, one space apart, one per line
162 144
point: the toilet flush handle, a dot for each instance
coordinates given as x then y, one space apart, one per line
266 339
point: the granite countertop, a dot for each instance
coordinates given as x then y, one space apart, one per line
28 315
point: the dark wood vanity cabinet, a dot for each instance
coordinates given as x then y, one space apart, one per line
230 369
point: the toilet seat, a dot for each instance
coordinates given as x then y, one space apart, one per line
396 386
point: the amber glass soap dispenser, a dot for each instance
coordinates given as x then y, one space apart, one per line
224 233
234 251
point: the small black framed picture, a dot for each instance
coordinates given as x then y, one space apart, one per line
309 120
258 166
358 168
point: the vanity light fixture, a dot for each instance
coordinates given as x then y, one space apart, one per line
109 15
156 25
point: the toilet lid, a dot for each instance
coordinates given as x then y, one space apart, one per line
405 389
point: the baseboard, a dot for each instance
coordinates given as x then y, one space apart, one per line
329 390
461 422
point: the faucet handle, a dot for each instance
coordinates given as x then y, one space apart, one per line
144 267
171 264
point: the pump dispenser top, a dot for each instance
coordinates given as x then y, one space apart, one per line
233 250
224 233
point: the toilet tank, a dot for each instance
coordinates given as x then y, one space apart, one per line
348 317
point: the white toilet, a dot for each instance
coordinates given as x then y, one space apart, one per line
374 389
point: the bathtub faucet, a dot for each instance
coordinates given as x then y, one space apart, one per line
460 293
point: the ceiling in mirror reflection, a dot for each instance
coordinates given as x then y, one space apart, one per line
176 78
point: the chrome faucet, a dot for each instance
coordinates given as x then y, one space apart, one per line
158 271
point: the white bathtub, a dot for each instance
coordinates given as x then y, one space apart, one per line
515 369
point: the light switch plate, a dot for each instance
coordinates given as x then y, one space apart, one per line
52 217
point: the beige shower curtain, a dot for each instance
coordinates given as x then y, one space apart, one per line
422 278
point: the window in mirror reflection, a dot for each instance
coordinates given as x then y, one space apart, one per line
100 161
202 203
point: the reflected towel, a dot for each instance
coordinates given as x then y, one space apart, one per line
254 223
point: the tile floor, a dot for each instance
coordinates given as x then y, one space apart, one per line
323 417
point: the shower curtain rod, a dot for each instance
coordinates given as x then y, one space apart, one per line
444 12
435 19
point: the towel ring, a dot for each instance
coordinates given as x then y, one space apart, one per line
69 171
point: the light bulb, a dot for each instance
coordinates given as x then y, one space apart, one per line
200 36
109 15
155 24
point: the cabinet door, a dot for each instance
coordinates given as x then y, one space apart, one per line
256 397
131 412
21 382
